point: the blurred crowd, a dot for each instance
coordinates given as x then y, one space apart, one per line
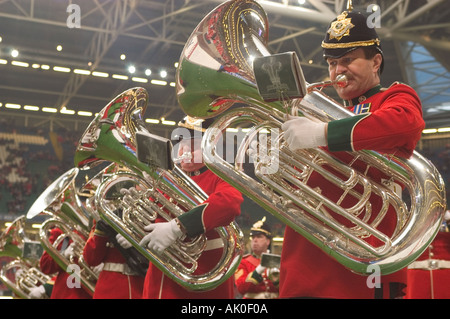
26 169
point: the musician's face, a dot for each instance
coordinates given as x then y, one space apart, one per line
361 73
260 243
191 146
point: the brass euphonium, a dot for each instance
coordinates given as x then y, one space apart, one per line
61 202
27 277
215 73
25 266
138 193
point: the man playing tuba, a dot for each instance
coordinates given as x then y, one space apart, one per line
117 280
49 266
220 209
387 120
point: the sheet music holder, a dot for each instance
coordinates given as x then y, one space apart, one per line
279 77
270 260
32 249
154 150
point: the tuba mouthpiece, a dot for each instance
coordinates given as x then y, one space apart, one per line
186 156
341 80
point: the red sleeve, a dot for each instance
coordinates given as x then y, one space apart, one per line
220 209
95 250
224 205
46 263
394 124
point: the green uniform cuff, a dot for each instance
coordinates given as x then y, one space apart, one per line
340 133
48 287
192 221
99 232
256 277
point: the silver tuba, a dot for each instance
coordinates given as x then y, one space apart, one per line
138 193
26 277
61 202
215 74
24 268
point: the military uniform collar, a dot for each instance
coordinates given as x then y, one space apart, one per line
365 96
257 257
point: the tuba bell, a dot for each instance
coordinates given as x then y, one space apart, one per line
62 204
25 265
215 78
137 193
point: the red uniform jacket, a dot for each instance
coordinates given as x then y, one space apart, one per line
389 121
223 205
429 275
111 284
250 284
60 289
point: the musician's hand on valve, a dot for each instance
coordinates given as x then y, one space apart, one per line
301 132
161 236
37 292
69 251
123 241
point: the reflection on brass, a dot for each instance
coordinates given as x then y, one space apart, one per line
133 196
215 79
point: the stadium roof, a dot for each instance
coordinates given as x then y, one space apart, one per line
151 34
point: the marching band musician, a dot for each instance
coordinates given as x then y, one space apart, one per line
388 121
253 280
116 279
220 209
49 266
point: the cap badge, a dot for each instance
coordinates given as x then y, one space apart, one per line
259 223
341 27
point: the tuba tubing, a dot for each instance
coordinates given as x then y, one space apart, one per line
12 244
423 219
179 261
61 202
115 142
86 275
31 277
206 90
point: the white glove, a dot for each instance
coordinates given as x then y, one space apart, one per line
447 216
69 251
123 241
37 292
98 269
161 236
301 132
19 273
260 269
